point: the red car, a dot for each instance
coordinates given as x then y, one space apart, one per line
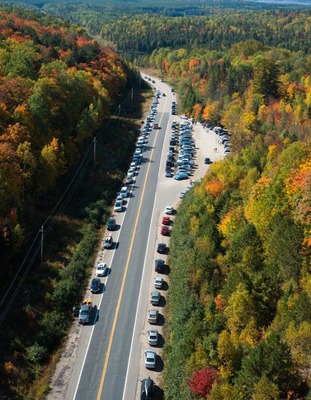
166 220
165 230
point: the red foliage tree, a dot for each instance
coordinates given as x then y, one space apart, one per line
202 381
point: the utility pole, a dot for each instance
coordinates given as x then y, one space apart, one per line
42 237
94 146
119 113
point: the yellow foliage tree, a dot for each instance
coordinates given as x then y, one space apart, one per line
228 349
298 340
264 389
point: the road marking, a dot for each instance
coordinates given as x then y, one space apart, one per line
101 385
99 304
144 269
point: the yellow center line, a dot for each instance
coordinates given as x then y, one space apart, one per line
101 385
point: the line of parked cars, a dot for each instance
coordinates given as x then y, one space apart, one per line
153 337
224 138
181 153
102 269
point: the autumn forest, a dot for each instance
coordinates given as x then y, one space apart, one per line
239 303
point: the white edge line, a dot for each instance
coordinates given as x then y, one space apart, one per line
138 304
101 298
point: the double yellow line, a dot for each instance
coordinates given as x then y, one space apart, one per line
102 380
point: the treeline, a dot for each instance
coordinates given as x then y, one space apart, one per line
98 17
136 36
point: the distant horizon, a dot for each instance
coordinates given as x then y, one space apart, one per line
300 2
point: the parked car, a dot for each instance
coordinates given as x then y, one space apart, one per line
166 220
108 241
95 285
165 230
207 160
153 316
147 389
155 298
150 359
162 248
169 210
118 207
180 176
111 224
152 337
158 282
159 265
101 269
124 191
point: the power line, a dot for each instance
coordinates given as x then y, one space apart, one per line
46 227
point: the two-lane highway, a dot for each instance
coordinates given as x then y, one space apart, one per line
103 370
105 359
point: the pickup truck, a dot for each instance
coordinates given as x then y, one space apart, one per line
85 311
108 241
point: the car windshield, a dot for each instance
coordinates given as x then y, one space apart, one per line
84 312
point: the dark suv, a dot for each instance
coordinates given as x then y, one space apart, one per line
111 224
159 265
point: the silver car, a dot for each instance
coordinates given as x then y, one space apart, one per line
152 336
150 359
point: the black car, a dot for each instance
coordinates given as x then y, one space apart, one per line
111 224
161 248
95 285
159 265
207 160
147 387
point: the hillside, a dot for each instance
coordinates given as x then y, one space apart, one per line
59 88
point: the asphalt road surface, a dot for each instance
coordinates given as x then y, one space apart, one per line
104 360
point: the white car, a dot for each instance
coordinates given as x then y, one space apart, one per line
118 206
101 269
158 282
150 359
124 191
169 210
152 336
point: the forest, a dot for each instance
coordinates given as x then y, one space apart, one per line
59 89
239 299
239 320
